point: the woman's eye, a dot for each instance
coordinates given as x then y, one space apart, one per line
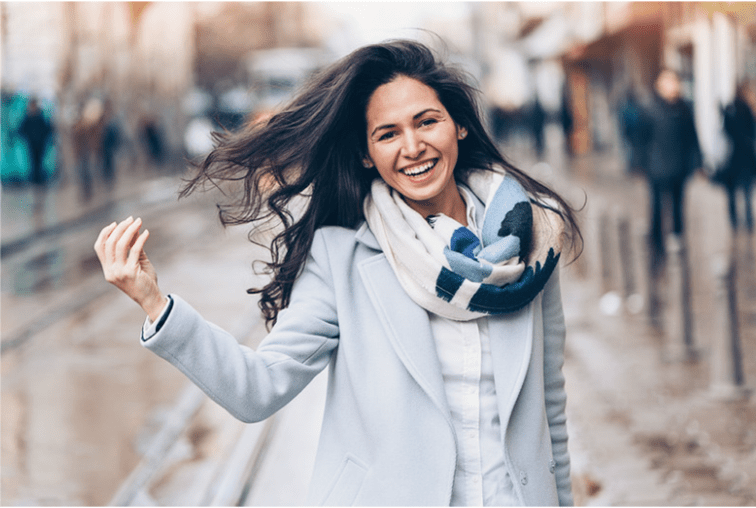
428 121
387 135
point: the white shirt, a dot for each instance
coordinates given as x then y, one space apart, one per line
463 347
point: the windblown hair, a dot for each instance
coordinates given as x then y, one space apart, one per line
315 147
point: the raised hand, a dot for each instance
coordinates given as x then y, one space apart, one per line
120 250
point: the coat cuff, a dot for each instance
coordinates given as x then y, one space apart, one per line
150 329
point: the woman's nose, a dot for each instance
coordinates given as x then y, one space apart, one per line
413 146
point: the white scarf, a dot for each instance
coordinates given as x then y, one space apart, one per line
446 269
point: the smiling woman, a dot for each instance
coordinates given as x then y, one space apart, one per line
423 272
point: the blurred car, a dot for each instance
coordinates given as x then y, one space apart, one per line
274 74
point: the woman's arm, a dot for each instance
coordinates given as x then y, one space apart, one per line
556 397
250 384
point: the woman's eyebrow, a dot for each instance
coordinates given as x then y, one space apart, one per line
391 125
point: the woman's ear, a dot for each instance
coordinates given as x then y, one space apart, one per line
461 133
367 163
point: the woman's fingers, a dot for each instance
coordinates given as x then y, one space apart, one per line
126 240
136 249
115 236
99 245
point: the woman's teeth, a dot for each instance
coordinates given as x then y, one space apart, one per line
418 170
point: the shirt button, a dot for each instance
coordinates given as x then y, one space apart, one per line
552 466
523 478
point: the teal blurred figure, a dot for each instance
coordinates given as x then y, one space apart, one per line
28 155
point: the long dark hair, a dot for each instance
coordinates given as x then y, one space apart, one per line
315 147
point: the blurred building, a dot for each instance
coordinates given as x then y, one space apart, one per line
595 52
227 32
148 57
712 46
137 56
145 58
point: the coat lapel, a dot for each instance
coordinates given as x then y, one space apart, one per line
408 329
511 349
407 326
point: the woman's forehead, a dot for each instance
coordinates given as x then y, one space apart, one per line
402 98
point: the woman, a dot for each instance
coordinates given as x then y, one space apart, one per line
419 272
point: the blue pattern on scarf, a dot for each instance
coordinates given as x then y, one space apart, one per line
447 284
491 299
468 268
465 242
507 234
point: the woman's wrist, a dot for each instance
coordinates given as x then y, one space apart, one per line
154 306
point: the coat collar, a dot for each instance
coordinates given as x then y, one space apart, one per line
366 237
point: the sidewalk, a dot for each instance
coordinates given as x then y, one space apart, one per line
646 430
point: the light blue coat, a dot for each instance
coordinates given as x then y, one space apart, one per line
387 436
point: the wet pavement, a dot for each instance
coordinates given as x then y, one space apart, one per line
82 401
647 429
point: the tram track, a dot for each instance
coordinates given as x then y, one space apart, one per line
79 277
224 477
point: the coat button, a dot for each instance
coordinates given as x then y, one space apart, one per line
552 466
523 477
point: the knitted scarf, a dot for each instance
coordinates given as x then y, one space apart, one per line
448 270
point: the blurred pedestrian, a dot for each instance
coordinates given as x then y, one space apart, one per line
537 123
567 120
87 136
36 130
739 170
422 270
111 141
673 155
152 137
635 131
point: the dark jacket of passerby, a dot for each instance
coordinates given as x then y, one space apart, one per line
673 149
36 130
740 128
635 130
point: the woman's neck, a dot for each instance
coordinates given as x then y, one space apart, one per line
449 203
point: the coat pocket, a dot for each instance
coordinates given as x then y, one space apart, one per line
347 484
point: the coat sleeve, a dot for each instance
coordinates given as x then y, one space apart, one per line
253 385
556 396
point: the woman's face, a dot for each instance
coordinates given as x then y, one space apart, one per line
412 142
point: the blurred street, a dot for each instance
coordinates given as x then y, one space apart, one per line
83 403
104 104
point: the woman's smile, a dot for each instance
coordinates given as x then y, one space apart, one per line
418 170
